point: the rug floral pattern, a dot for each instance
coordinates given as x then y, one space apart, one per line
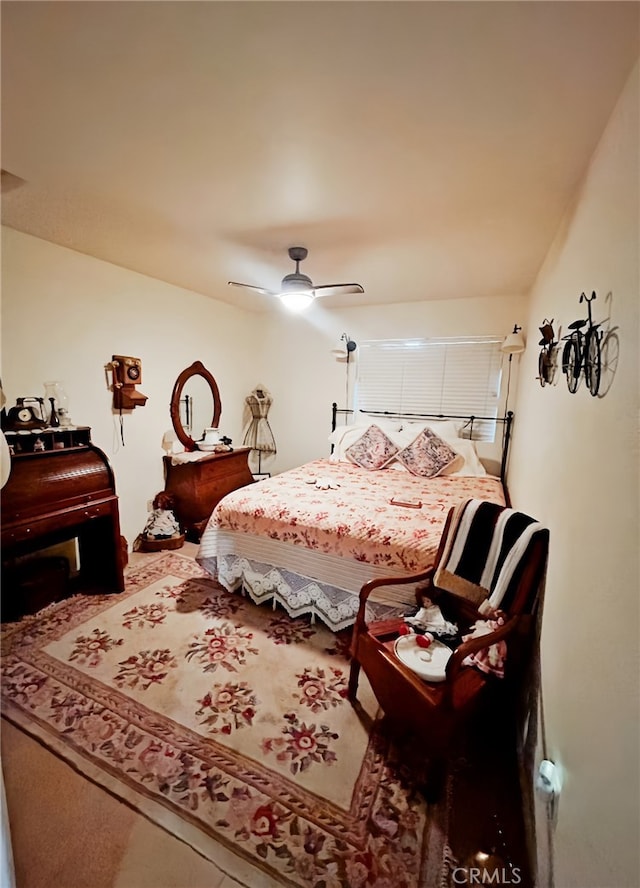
234 718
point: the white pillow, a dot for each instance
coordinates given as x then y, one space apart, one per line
472 465
386 423
444 428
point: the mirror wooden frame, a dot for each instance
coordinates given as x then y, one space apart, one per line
196 369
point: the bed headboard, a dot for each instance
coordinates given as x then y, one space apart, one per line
468 422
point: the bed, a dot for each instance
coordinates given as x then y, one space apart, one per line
309 538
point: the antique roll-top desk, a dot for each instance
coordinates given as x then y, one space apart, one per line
63 489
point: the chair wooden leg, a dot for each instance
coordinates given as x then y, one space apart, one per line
354 675
432 782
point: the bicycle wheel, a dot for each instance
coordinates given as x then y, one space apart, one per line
609 356
565 354
592 362
571 362
542 368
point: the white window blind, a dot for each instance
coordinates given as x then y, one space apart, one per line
453 377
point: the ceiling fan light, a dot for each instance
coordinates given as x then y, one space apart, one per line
296 300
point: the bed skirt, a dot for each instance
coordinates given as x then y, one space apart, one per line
304 583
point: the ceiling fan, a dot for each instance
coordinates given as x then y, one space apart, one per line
297 290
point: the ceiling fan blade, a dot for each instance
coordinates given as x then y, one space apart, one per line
338 289
251 287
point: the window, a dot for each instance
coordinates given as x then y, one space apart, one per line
456 376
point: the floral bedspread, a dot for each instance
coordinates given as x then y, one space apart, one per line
353 518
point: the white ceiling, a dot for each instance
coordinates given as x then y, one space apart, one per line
424 149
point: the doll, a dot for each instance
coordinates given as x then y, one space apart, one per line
162 524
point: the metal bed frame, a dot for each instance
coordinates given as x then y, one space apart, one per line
506 421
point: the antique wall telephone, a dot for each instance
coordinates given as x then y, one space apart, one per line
126 375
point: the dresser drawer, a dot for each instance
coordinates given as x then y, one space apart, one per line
23 531
197 487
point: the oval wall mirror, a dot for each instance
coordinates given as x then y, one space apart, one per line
194 399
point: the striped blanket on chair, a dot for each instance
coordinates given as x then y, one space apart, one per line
483 553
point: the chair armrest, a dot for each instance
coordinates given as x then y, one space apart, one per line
386 628
368 587
366 590
477 644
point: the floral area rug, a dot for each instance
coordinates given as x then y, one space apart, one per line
227 724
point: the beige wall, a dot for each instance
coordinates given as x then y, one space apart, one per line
305 378
64 315
575 467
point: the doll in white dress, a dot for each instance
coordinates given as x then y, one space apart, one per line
162 523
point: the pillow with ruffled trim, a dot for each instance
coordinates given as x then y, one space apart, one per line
428 455
373 450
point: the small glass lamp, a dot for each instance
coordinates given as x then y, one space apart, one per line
58 404
168 441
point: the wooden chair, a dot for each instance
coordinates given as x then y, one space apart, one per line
508 551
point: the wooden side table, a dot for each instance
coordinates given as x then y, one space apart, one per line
200 485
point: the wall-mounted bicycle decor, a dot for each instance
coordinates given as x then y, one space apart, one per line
609 349
581 355
546 358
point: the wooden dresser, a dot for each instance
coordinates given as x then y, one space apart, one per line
64 492
199 486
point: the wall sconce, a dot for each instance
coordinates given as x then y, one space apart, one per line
349 344
514 343
344 354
